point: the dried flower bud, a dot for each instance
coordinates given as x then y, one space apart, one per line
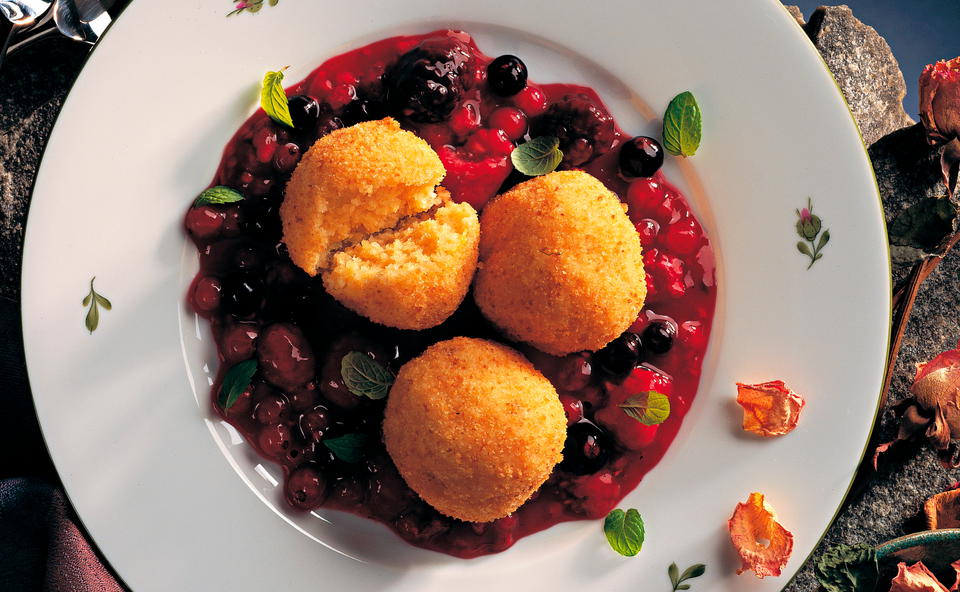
940 113
940 101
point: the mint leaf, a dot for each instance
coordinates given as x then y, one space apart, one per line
649 408
537 157
624 531
682 125
348 448
925 225
273 99
235 382
847 568
364 376
218 195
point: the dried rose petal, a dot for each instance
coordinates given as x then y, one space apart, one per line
943 510
763 544
937 390
916 578
769 408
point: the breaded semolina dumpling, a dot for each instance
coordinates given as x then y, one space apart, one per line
473 428
353 182
560 266
413 277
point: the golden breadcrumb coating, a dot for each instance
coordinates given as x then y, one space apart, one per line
560 266
413 277
473 428
354 182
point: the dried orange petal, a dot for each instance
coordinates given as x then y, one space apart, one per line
916 578
763 543
943 510
769 408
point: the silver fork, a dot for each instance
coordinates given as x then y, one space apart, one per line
32 20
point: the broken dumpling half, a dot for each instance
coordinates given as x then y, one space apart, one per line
363 210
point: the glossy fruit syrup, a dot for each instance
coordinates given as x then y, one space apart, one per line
261 307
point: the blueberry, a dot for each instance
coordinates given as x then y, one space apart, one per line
586 449
507 75
641 157
304 111
425 85
658 336
585 129
619 357
241 294
367 106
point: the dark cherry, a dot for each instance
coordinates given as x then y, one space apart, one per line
239 342
275 440
241 294
306 487
586 449
425 85
507 75
304 111
584 129
272 409
315 423
640 157
619 357
658 336
206 293
286 358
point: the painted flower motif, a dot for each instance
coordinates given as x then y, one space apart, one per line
809 226
940 114
252 6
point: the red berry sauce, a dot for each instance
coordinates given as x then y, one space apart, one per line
262 307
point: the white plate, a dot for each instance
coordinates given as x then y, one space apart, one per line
175 503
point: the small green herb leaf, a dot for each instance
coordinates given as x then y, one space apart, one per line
676 578
93 319
682 125
364 376
674 572
94 301
804 248
348 448
537 157
649 408
273 99
217 195
694 571
847 568
624 531
235 382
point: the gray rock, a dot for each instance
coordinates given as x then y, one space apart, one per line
865 70
33 84
796 14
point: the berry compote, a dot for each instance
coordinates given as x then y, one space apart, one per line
261 307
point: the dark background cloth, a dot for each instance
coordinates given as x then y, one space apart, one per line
36 523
